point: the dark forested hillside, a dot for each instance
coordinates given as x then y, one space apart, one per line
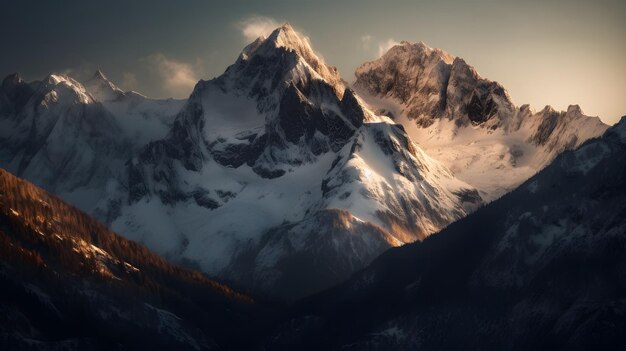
69 282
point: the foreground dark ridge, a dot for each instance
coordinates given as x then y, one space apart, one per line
70 283
540 269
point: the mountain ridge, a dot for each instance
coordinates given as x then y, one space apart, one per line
468 122
45 122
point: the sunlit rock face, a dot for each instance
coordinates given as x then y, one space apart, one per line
467 122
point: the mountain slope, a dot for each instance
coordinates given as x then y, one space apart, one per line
55 134
279 138
467 122
544 270
70 283
59 135
141 118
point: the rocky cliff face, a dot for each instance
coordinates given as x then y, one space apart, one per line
431 84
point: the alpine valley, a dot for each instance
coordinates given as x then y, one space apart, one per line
303 208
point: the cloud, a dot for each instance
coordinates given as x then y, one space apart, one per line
178 77
384 46
365 41
129 81
256 26
81 72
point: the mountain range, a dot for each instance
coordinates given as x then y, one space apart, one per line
545 271
280 207
327 178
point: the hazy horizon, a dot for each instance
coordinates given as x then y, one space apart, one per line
544 53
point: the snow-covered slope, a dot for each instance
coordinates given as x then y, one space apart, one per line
541 268
275 167
59 135
53 133
469 123
142 119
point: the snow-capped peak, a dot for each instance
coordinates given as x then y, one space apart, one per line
286 38
430 84
444 103
55 81
57 78
102 89
420 48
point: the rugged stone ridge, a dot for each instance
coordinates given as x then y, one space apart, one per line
467 122
431 83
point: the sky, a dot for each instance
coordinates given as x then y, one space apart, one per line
555 52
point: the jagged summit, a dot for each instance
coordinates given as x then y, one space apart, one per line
62 87
282 98
294 58
574 109
431 84
102 88
444 102
287 37
59 78
99 75
420 48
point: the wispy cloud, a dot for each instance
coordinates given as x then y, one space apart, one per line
81 72
178 77
366 40
384 46
129 81
256 26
